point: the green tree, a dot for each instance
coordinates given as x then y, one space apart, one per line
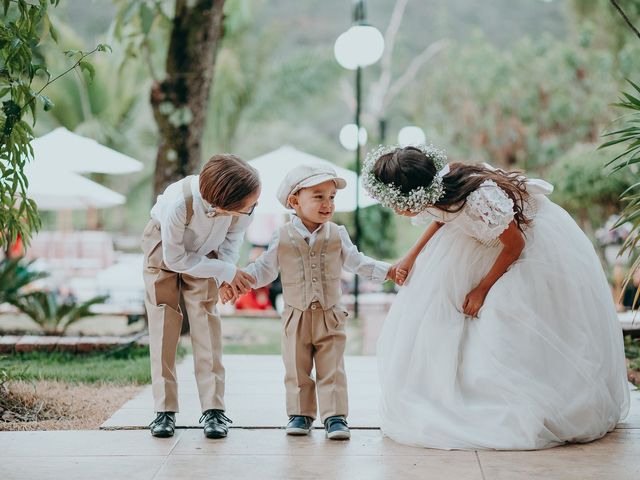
583 190
604 18
114 110
23 27
523 107
181 87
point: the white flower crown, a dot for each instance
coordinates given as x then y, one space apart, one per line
389 195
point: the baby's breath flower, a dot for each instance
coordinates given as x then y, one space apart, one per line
389 195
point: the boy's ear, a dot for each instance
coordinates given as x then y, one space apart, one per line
293 200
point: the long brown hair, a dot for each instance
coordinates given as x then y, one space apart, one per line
409 168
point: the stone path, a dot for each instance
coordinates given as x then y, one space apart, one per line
257 448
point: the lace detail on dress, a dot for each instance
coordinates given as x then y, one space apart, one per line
488 213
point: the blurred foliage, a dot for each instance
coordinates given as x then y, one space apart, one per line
526 99
584 189
252 85
632 352
378 235
611 33
114 110
15 274
523 107
51 314
24 75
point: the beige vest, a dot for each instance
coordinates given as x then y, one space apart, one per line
310 273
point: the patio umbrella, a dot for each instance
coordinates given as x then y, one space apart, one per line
57 189
66 150
273 166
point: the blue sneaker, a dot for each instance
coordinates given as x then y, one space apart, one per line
299 425
337 428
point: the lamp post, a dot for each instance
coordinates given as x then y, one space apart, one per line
360 46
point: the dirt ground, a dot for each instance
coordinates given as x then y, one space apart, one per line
49 405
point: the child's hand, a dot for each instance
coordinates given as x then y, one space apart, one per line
401 269
396 275
242 282
227 294
474 301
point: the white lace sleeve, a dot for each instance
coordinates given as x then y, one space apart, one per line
489 211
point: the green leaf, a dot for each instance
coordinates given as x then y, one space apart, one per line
87 67
634 85
103 47
47 103
146 17
53 32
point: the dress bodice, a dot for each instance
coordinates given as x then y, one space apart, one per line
488 211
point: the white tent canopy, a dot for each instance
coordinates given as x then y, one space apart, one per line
274 166
65 150
57 189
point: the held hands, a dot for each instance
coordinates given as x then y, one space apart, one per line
474 300
241 284
227 294
400 270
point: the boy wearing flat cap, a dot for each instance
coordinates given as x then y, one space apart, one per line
310 252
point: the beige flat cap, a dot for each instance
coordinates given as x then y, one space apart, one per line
306 176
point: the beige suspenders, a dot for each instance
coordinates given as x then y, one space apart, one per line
188 199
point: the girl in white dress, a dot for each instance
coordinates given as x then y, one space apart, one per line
505 335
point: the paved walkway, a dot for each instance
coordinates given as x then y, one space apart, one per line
258 448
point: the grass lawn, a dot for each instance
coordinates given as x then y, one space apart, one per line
127 367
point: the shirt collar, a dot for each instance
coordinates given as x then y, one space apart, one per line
302 228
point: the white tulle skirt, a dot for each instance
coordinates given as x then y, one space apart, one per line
542 365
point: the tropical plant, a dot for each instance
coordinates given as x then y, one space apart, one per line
629 160
629 137
15 274
53 316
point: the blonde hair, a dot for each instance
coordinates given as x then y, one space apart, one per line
226 180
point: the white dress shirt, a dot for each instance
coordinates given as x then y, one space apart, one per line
184 250
265 268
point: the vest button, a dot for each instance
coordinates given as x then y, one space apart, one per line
313 265
314 280
313 306
313 254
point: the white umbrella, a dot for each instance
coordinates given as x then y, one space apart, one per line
66 150
57 189
274 166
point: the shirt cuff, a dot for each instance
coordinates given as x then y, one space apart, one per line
380 270
227 273
251 270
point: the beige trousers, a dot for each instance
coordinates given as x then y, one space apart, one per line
309 337
162 299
